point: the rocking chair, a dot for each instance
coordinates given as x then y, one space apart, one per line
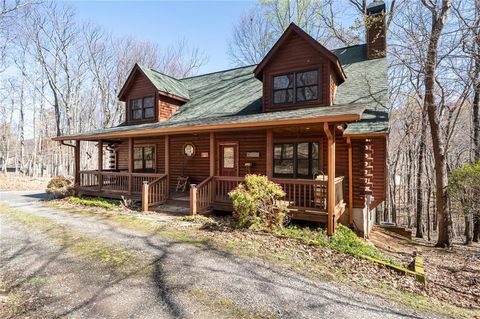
182 182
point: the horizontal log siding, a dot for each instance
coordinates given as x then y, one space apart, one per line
379 170
167 107
139 88
359 184
248 141
158 142
196 168
297 55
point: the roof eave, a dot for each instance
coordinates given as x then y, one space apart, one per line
214 127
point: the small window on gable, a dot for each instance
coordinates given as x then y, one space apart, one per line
295 87
143 108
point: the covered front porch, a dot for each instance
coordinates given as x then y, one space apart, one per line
320 198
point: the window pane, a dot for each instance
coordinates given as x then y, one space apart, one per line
315 169
228 157
283 151
284 167
137 114
148 102
148 113
315 150
283 96
137 153
302 150
137 164
302 167
135 104
148 153
283 81
149 164
307 93
307 78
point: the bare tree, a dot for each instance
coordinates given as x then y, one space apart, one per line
439 14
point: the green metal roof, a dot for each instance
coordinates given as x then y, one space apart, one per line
366 83
236 95
165 83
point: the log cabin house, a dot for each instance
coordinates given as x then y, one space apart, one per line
313 120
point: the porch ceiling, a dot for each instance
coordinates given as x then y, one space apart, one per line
316 115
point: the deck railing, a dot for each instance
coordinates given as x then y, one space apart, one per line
202 196
115 183
154 192
300 194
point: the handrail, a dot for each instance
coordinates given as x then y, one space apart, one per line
154 192
202 196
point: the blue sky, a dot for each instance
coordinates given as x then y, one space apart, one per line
206 25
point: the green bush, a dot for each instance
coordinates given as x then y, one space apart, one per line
95 202
59 187
257 203
464 187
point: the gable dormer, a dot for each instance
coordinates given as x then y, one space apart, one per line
151 96
298 72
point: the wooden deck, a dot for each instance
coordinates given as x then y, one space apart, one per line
306 199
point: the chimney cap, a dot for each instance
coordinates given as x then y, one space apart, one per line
375 7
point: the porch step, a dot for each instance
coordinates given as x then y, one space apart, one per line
180 202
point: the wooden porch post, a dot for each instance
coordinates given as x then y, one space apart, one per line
350 182
331 178
167 162
193 199
100 164
130 165
76 166
212 154
269 153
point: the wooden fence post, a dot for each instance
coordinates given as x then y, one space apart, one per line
193 199
145 196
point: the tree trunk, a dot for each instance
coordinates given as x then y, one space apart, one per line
476 228
468 229
444 218
421 155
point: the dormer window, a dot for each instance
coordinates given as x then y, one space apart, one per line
295 87
142 108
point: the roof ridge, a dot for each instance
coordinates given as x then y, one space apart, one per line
161 73
349 46
221 71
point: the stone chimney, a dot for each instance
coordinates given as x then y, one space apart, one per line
376 30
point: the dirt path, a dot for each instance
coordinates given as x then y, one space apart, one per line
183 280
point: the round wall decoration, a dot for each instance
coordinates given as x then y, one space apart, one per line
189 150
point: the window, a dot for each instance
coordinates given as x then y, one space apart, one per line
144 159
283 88
297 160
228 157
142 108
295 87
306 86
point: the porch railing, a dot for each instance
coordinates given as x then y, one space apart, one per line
299 193
154 192
202 196
115 183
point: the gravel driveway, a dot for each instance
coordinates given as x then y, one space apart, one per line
187 280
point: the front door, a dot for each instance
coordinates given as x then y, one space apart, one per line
228 160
